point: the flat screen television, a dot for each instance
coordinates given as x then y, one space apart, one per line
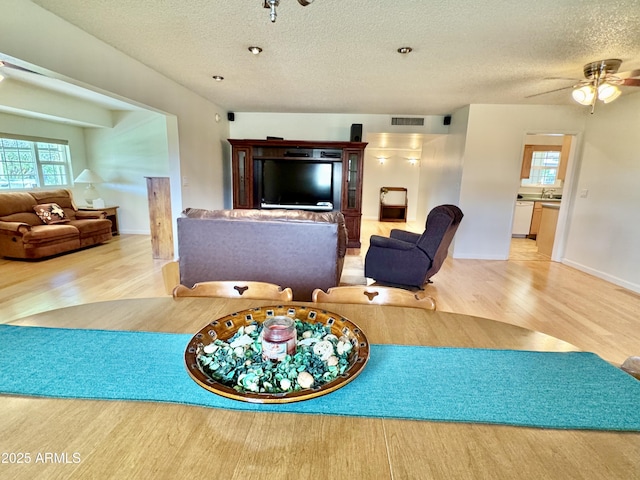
297 183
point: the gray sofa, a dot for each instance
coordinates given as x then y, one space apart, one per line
291 248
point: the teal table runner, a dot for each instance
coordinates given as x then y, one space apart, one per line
574 390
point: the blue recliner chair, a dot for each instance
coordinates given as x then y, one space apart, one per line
408 259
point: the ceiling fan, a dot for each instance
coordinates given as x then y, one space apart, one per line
272 4
601 82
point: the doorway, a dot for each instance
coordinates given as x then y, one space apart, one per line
546 183
526 249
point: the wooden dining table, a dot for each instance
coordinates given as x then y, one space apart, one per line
131 440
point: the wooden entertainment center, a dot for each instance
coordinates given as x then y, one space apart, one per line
346 159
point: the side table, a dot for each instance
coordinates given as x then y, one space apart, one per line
393 204
112 214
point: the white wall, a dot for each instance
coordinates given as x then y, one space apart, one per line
396 171
135 148
441 167
491 171
605 225
322 126
17 98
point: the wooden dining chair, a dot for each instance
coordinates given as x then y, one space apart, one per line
235 289
632 366
374 295
171 276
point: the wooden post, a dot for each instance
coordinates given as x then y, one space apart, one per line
160 220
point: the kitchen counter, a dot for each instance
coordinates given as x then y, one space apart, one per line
537 202
547 231
538 198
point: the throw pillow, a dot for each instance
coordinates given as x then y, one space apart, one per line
51 213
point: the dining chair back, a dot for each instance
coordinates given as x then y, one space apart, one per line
171 276
235 289
632 366
375 295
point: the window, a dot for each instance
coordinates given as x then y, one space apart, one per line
30 162
540 166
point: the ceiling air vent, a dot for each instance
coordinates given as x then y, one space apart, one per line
407 121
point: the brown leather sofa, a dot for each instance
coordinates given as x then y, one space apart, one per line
23 234
291 248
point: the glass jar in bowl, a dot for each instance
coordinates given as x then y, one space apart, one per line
278 338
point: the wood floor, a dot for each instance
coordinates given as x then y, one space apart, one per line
527 290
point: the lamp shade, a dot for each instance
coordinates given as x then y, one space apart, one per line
608 93
89 176
584 95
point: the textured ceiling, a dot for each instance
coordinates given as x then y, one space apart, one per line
339 56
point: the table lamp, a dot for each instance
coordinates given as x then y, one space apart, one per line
89 177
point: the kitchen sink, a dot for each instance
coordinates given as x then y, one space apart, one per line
538 197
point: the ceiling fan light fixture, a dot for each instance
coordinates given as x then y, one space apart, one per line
607 93
584 95
272 4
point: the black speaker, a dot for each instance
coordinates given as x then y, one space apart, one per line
231 116
446 120
356 132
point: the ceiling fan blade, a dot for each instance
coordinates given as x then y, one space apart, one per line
629 74
549 91
6 64
564 78
631 82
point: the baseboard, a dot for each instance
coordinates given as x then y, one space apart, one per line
135 232
375 219
634 287
470 256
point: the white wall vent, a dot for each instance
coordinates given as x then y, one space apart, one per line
407 121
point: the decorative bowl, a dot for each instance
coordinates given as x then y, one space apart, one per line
224 328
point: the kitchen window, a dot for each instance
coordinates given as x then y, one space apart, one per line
32 162
541 166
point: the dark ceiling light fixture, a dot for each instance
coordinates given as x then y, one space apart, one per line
405 50
218 78
272 4
255 50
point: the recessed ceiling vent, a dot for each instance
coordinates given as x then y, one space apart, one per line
407 121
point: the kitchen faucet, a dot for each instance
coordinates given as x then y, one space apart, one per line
549 193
